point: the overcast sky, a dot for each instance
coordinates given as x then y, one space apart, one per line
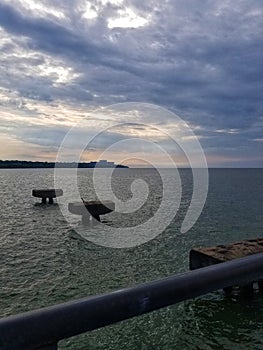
62 60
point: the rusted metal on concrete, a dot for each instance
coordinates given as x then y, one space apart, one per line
91 209
47 193
202 257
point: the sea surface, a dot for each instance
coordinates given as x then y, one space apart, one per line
44 260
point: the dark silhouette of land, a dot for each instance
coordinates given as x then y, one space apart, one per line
24 164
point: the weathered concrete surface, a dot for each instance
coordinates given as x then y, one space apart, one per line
200 257
93 208
47 193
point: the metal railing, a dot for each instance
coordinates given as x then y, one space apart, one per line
44 328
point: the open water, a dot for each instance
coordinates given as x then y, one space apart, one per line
44 261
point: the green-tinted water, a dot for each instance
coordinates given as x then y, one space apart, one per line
44 261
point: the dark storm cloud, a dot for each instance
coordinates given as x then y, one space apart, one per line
47 35
201 59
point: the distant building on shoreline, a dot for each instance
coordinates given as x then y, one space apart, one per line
105 164
101 164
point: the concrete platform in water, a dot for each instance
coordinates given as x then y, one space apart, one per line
201 257
91 209
47 193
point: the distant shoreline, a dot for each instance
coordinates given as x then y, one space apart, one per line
24 164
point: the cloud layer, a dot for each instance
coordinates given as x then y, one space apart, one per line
59 60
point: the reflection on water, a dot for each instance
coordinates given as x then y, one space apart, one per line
44 261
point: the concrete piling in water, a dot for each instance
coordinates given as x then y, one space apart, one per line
201 257
47 193
91 209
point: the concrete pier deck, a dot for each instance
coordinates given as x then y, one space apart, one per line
91 209
201 257
47 193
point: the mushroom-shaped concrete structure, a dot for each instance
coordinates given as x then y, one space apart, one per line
89 209
47 193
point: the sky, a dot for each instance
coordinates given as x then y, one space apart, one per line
62 63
